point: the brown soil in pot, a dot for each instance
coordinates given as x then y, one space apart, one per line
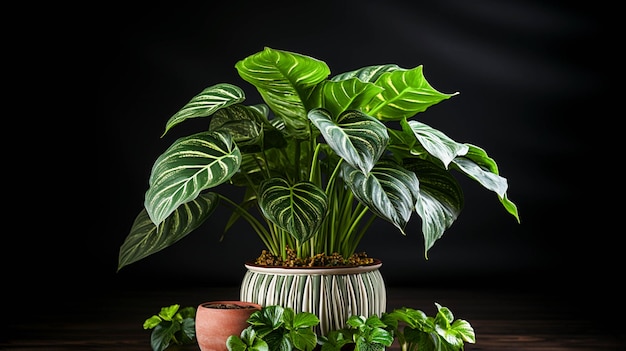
319 260
230 306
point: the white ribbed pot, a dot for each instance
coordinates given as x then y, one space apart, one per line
331 293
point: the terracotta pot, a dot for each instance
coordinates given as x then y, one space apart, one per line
331 293
217 320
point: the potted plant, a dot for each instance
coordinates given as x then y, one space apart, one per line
215 321
172 326
319 161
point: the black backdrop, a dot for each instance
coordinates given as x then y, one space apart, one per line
529 77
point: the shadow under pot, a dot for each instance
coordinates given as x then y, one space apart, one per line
217 320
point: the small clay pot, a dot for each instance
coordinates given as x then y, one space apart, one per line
217 320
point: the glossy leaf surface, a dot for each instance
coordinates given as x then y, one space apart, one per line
356 137
190 165
207 102
389 190
145 238
298 209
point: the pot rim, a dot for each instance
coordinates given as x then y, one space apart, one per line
252 267
247 304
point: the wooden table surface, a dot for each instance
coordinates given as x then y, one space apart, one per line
502 320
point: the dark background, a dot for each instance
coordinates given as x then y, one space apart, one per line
531 83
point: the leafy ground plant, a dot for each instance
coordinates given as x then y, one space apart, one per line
280 329
172 326
364 334
417 331
276 328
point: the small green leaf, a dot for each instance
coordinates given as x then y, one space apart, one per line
305 320
162 335
187 331
234 343
152 322
188 312
248 340
168 313
267 320
303 339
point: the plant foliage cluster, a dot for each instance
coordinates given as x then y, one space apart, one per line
281 329
319 159
276 328
172 326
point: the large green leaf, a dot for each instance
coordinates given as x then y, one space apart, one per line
480 167
349 94
299 209
190 165
244 124
436 142
389 190
367 74
406 93
440 201
356 137
207 102
285 81
145 238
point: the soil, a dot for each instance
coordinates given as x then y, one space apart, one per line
228 306
320 260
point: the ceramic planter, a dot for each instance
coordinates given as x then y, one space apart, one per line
331 293
217 320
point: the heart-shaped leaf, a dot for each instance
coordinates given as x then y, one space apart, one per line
298 209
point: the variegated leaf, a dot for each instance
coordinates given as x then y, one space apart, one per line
207 102
437 143
480 167
187 167
389 190
298 209
284 80
243 123
487 179
145 238
464 330
406 93
356 137
440 201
